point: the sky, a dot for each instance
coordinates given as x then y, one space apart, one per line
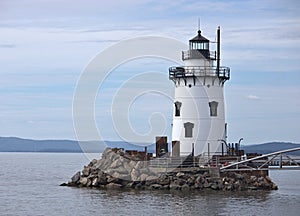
46 45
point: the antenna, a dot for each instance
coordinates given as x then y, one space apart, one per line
198 23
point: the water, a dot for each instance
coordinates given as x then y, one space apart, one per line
29 186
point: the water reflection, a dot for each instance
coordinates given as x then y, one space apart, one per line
176 202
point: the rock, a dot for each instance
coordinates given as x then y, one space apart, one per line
116 163
106 152
164 181
237 185
155 186
127 166
185 187
94 161
274 187
63 184
83 181
152 179
134 175
179 182
214 186
260 179
144 177
89 183
139 165
111 179
114 186
86 171
268 179
253 178
122 170
174 186
76 177
166 187
102 180
95 182
252 188
206 184
130 185
121 176
191 181
229 188
180 174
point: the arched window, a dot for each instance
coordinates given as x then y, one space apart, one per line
213 106
177 108
188 126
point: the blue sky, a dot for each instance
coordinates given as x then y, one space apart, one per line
45 46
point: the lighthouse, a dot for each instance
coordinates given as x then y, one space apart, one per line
199 126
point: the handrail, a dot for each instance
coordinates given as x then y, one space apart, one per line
196 54
207 71
260 157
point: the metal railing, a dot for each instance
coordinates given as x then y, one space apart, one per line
200 71
172 162
198 54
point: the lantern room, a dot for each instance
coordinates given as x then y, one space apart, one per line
199 42
198 49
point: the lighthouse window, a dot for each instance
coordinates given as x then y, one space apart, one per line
213 106
188 126
177 108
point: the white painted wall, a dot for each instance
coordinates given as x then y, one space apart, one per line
195 109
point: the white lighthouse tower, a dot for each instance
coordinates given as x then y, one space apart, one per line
199 114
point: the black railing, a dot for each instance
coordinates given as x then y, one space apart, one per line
199 71
198 54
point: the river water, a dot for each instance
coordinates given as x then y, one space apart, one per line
29 186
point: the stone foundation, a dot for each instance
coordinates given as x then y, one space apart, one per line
114 171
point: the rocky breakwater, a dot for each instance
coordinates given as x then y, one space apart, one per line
116 170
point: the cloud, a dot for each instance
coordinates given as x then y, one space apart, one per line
253 97
7 45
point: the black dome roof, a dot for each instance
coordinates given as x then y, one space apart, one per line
199 38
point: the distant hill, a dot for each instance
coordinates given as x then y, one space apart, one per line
271 147
15 144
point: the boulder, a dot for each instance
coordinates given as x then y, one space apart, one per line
83 181
93 162
121 176
76 178
114 186
95 182
127 166
206 184
139 165
174 186
155 186
134 175
117 163
274 187
180 174
185 187
144 177
122 170
102 180
253 178
214 186
152 179
86 171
